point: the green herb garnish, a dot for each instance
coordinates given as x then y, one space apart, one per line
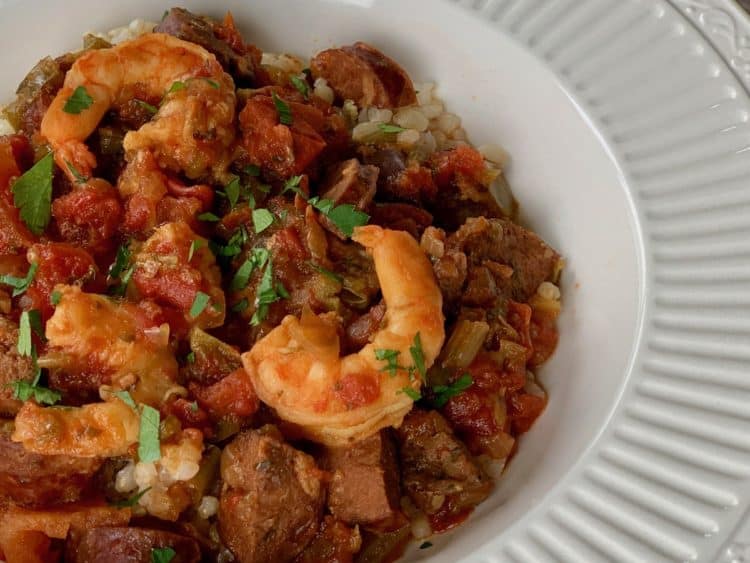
199 304
162 554
212 83
282 108
190 357
346 217
121 260
126 398
80 178
444 392
195 245
328 273
262 219
425 545
132 500
417 355
232 189
176 86
292 185
301 86
240 305
252 170
148 436
388 128
145 105
208 217
391 359
55 297
32 194
35 321
23 391
20 285
413 394
25 345
78 101
268 293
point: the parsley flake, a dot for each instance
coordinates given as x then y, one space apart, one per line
417 355
425 545
25 345
327 273
413 394
268 293
194 406
391 359
346 217
262 219
32 194
190 357
35 321
388 128
208 217
55 297
148 436
121 260
20 285
195 245
252 170
176 86
232 189
162 554
282 108
132 500
145 105
199 304
78 101
23 391
240 305
212 83
80 178
444 392
292 185
301 85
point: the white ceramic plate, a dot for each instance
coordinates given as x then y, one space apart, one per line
628 125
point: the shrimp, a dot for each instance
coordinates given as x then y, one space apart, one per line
193 128
297 370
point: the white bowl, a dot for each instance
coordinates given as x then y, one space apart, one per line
609 109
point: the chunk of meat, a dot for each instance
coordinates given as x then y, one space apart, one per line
31 479
94 340
272 499
166 272
360 332
13 367
88 217
239 59
233 395
487 242
127 545
400 180
402 217
283 150
438 473
348 182
364 483
335 543
361 73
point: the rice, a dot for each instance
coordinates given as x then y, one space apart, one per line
134 29
5 127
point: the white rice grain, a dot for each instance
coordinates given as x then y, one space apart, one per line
323 90
495 154
411 118
208 507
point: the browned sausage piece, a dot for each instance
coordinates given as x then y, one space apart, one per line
127 545
438 471
271 503
31 479
364 484
348 182
361 73
335 543
13 367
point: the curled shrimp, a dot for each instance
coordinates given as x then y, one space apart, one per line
193 127
297 370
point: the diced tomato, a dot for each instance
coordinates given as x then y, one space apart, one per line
491 376
89 216
139 213
519 317
175 287
544 337
232 395
185 209
189 413
358 389
472 413
461 162
58 262
415 184
287 243
523 410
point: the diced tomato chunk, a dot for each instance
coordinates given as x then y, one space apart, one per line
471 413
524 409
232 395
358 389
461 162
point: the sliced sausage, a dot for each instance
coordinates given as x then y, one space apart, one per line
348 182
31 479
127 545
271 503
335 543
437 470
240 60
364 482
361 73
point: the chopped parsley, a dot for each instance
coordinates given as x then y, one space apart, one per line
55 297
35 321
413 394
32 194
194 406
145 105
162 554
252 170
195 245
20 285
121 260
80 178
444 392
78 101
417 355
199 304
257 259
425 545
148 436
126 398
268 293
131 500
292 185
25 346
262 219
388 128
119 290
323 205
208 217
212 83
391 359
23 391
176 86
301 86
190 357
282 108
346 217
233 189
327 273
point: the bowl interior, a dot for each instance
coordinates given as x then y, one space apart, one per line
570 189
